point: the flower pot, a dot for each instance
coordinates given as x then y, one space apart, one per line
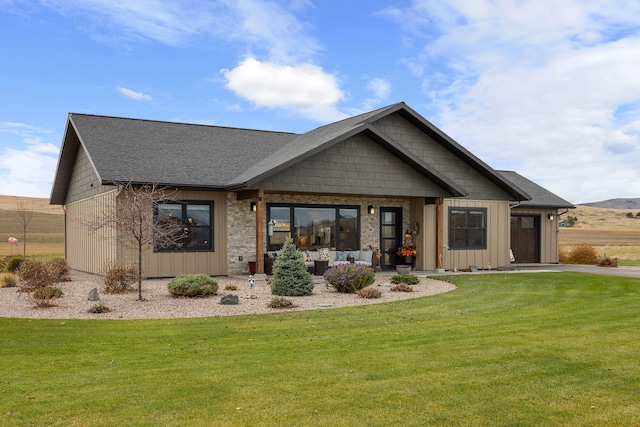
403 269
408 260
252 267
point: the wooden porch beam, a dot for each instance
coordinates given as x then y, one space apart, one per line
439 233
249 194
260 224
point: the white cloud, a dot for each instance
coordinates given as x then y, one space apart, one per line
268 30
137 96
305 88
380 90
28 171
536 86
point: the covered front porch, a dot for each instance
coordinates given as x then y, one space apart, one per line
339 223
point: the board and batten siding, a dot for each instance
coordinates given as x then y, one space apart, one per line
86 250
548 232
498 236
171 264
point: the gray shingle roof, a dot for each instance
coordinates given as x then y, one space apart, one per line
172 153
221 158
540 197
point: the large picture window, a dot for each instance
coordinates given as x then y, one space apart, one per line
197 219
314 226
467 228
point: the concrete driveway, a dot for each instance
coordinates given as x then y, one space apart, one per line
633 272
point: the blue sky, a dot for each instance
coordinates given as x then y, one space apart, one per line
550 89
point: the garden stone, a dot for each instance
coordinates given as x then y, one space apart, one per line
93 295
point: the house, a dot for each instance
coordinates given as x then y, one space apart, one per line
356 184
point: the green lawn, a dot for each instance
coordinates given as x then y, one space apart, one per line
505 349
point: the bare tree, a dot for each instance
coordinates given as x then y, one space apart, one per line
138 222
25 215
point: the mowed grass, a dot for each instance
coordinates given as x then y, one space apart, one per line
501 350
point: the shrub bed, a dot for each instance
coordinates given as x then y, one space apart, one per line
580 254
402 287
13 264
349 278
8 280
192 285
279 302
99 309
59 269
47 293
34 275
119 277
369 293
409 279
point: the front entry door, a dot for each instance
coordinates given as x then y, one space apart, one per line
390 236
525 238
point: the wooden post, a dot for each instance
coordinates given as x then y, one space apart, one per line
260 224
439 234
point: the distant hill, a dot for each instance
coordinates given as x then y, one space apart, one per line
36 204
615 204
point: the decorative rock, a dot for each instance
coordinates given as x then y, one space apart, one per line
93 295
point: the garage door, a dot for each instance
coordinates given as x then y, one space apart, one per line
525 238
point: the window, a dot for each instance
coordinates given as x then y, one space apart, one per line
467 228
197 218
314 226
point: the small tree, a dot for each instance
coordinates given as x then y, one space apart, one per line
25 215
290 275
138 226
571 220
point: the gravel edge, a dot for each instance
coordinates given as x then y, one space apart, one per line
158 304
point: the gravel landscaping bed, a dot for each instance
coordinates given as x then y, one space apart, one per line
158 304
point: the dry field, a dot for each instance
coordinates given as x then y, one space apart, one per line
610 231
45 232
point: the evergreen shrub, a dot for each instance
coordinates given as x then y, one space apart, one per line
229 300
290 275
